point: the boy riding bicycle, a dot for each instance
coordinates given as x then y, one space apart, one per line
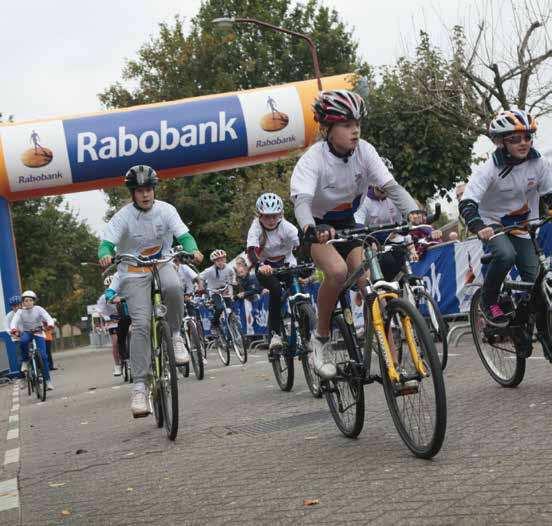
146 227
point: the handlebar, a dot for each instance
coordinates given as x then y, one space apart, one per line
297 270
529 225
140 261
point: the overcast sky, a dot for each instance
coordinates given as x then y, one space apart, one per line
59 55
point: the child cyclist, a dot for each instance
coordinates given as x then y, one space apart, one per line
146 227
108 310
504 191
270 242
28 322
219 276
328 184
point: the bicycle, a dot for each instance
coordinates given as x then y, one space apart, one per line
410 372
163 386
194 343
504 351
124 343
35 372
415 290
296 336
229 333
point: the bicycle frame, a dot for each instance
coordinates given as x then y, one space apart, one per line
293 296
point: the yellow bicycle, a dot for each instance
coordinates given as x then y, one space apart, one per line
395 334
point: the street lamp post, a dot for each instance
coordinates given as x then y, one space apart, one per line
226 23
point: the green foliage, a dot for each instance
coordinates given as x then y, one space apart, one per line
218 207
51 244
429 154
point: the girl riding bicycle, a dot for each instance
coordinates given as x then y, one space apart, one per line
270 243
328 185
28 322
504 191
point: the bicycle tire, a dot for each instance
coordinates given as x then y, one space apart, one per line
184 369
196 354
40 385
432 427
306 320
29 378
345 385
126 361
126 375
436 325
222 349
168 379
283 366
506 367
238 342
155 403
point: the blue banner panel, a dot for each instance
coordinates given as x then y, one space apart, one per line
164 137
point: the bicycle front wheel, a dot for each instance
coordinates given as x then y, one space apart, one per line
306 317
417 403
168 379
345 392
236 335
283 367
196 354
435 323
495 347
29 377
40 381
222 348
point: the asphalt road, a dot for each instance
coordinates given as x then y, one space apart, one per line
247 453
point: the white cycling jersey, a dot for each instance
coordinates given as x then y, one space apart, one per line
279 244
187 276
337 188
144 233
509 194
378 212
9 317
30 319
215 278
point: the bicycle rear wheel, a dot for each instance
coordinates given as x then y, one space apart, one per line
345 392
196 354
168 379
496 348
29 378
435 323
306 317
40 382
419 412
222 348
238 343
283 365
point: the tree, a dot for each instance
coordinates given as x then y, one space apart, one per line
51 244
429 154
174 65
506 65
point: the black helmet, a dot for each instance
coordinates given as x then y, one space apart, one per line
141 175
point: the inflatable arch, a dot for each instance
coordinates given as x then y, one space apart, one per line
184 137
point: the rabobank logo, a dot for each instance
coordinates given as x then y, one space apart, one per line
164 137
276 120
38 155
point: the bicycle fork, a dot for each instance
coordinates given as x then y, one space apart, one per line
379 328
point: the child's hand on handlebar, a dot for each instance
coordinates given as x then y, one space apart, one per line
265 269
486 233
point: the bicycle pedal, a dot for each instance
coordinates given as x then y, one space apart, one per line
141 415
407 388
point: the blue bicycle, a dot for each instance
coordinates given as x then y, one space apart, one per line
295 335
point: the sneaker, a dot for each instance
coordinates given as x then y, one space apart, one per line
24 367
181 354
117 370
322 358
275 342
494 315
139 401
49 385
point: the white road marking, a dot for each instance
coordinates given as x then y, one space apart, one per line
13 418
15 408
13 433
11 456
9 495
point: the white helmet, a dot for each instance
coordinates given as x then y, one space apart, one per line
269 203
108 280
512 121
28 294
218 253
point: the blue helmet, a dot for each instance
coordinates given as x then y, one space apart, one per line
14 300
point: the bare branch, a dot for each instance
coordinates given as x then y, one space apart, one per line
523 47
535 103
481 27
